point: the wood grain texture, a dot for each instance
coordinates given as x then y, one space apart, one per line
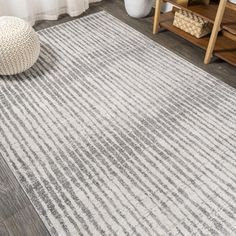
12 197
14 203
17 215
157 16
3 230
25 222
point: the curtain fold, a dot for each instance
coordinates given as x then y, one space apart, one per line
33 10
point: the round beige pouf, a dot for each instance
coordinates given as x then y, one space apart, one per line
19 45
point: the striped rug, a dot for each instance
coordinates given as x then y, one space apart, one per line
111 134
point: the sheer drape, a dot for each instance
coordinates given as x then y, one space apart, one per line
32 10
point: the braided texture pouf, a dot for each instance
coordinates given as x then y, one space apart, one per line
19 45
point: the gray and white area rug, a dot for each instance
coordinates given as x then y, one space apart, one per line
111 134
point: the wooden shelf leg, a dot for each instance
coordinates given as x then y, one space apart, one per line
157 16
215 31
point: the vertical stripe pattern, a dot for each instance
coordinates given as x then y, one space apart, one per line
111 134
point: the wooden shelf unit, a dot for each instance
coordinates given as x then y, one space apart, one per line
219 44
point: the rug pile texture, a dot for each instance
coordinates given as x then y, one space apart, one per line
111 134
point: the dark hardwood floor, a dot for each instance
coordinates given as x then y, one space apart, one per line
17 215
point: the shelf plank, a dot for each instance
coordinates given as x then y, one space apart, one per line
228 56
229 35
225 48
231 6
231 28
166 21
208 12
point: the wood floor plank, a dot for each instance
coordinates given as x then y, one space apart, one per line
25 223
3 230
12 197
14 204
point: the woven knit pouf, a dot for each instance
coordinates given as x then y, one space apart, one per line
19 45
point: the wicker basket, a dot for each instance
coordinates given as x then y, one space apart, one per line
191 23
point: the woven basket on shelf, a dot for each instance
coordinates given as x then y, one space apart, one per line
191 23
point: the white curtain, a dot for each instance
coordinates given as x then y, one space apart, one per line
33 10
